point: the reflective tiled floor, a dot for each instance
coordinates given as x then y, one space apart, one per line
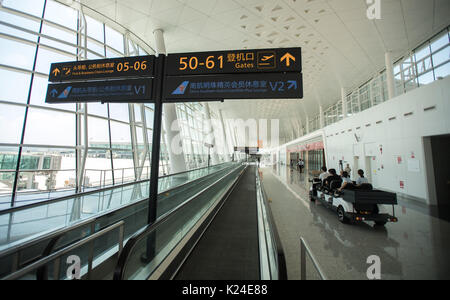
418 247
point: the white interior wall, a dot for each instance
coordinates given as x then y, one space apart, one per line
388 131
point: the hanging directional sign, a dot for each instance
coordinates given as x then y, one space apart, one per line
128 67
239 86
131 90
232 62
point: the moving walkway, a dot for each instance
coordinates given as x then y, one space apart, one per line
111 238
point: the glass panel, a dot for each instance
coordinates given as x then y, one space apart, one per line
47 57
8 161
98 169
61 14
22 56
98 133
11 123
441 56
123 166
422 52
113 54
114 39
94 56
45 127
424 65
32 7
119 112
443 71
20 82
120 136
20 22
149 116
95 29
439 42
39 92
60 35
48 170
98 109
426 78
96 47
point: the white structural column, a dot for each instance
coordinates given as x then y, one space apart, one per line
307 125
390 75
322 117
300 128
82 114
159 41
344 103
171 125
210 135
174 141
225 140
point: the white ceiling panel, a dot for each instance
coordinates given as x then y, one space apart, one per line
341 46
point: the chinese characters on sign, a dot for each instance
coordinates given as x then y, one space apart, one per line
233 62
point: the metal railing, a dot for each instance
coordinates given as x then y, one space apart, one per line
105 183
50 201
59 232
273 263
144 233
56 257
305 250
54 236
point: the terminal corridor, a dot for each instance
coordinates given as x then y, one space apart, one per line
413 249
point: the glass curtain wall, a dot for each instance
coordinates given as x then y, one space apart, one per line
38 142
425 64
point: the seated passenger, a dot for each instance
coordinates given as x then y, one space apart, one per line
361 179
345 181
324 175
332 178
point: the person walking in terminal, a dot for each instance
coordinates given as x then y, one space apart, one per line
361 179
345 180
348 169
301 165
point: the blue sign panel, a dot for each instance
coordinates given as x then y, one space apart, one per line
239 86
129 91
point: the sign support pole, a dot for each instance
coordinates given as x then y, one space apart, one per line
156 149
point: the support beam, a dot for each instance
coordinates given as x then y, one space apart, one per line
390 80
210 136
171 124
160 43
174 142
322 117
307 125
82 114
225 139
344 103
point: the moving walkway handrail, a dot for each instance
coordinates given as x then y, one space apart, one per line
56 234
282 269
19 208
144 232
304 249
57 255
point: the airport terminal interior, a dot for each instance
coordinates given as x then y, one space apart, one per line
302 139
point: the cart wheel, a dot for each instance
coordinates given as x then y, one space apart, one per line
341 215
381 224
